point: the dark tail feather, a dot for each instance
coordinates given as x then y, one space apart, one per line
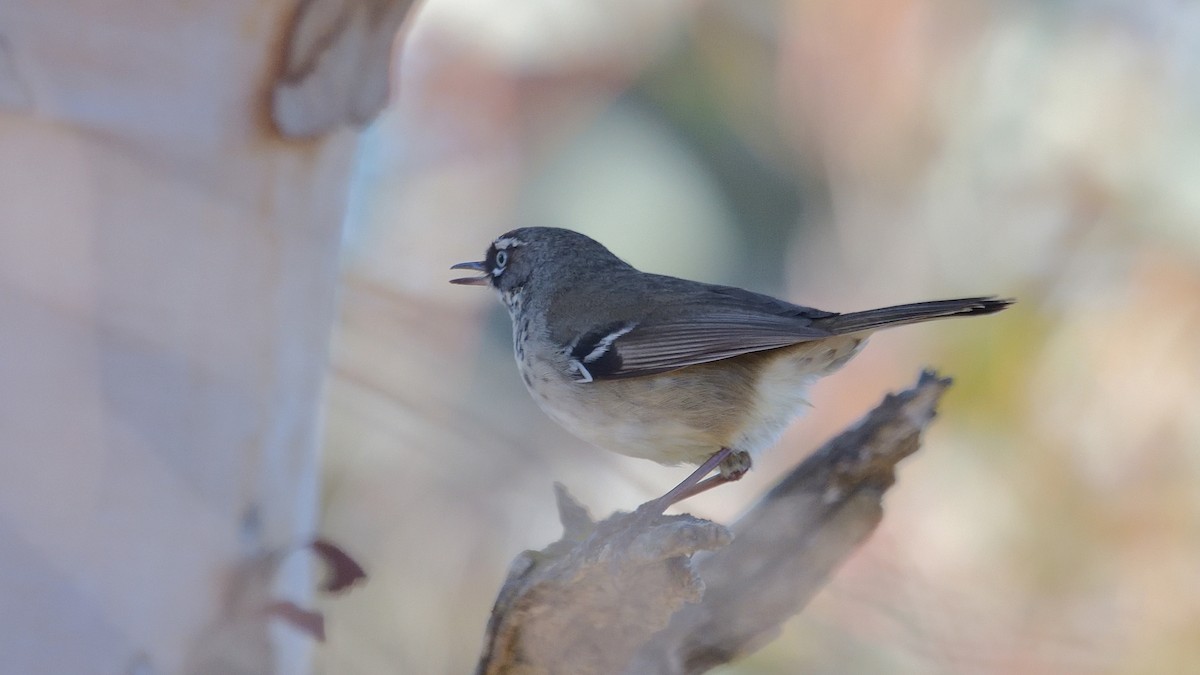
886 317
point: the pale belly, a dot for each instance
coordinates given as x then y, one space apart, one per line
686 415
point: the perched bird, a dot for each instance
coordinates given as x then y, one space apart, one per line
677 371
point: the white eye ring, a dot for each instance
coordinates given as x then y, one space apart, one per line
501 259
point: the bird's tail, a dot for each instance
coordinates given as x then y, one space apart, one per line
899 315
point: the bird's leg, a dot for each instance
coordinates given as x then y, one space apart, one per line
733 468
733 464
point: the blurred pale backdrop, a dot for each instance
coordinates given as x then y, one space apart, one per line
843 155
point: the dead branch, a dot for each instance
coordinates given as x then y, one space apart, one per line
626 594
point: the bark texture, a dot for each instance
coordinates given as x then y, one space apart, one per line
628 594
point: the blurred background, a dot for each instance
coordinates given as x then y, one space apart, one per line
843 155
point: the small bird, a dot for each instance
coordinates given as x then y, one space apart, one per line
677 371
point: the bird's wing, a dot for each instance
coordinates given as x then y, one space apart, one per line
656 345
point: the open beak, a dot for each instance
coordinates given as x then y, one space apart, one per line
471 281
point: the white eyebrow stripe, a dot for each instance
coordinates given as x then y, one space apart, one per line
604 344
507 242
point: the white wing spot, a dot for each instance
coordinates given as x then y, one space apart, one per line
604 344
581 372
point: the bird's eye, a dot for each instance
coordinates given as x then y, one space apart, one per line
501 259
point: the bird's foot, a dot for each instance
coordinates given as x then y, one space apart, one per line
731 465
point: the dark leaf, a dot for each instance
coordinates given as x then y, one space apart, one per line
344 571
309 621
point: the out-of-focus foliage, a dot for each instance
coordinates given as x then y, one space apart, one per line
845 155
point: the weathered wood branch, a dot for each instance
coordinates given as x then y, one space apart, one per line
627 595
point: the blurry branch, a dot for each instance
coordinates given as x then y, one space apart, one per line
336 65
626 595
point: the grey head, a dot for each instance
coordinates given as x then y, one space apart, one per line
539 260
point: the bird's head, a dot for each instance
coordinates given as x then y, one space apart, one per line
540 259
